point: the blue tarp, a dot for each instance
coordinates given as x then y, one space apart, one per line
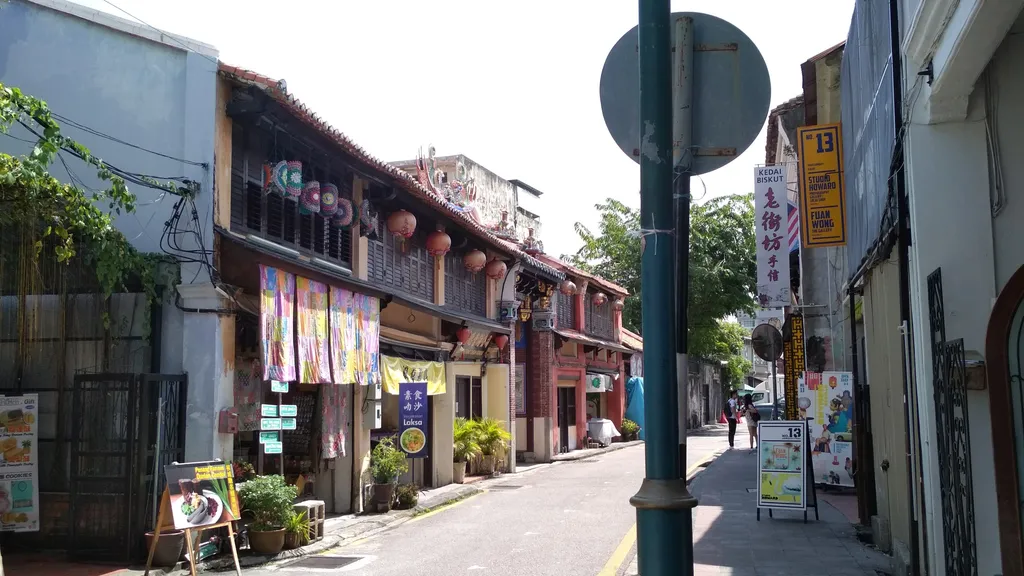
635 403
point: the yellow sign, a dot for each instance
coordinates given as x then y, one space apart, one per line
822 194
395 370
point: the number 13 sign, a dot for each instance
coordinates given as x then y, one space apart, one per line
822 189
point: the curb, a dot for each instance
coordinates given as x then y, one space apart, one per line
383 523
615 446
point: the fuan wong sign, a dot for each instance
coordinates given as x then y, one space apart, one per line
822 195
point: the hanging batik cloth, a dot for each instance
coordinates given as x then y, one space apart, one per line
277 333
247 393
334 400
314 359
355 337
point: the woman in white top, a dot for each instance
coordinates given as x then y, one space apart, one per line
750 416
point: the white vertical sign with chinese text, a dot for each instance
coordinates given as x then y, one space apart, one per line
771 226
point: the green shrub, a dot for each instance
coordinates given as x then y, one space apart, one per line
466 439
387 462
269 499
407 495
630 429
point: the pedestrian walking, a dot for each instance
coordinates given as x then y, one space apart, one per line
731 413
751 416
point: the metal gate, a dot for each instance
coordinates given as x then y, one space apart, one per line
954 440
113 438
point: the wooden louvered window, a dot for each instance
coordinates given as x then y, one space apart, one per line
566 311
402 267
464 290
598 322
274 217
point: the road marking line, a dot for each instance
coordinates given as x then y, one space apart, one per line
443 508
618 558
611 567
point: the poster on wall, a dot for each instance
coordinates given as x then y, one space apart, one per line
19 463
780 464
771 228
520 382
201 494
412 416
827 398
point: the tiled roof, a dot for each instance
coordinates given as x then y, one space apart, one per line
574 271
279 93
580 337
632 340
772 141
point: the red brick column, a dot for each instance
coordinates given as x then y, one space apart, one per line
617 397
539 371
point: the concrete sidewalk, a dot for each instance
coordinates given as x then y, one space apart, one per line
728 539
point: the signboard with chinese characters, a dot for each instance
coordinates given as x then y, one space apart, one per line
795 363
770 225
827 398
413 421
19 463
822 195
781 464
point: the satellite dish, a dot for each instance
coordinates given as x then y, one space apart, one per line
767 342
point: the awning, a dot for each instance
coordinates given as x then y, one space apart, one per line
574 335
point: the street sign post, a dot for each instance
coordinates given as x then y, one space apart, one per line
703 93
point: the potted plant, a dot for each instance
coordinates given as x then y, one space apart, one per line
406 496
387 463
269 500
630 430
466 446
168 547
296 530
493 440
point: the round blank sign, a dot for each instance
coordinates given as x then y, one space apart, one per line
731 92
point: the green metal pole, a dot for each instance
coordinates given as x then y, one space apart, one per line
663 516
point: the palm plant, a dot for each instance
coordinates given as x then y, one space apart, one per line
465 436
492 437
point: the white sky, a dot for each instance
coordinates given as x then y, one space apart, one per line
511 84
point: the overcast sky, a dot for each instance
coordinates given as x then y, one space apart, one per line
512 85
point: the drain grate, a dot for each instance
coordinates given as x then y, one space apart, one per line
324 562
504 487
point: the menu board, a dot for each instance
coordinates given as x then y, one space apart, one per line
201 494
781 464
19 463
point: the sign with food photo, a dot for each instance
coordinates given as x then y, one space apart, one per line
412 414
201 494
19 463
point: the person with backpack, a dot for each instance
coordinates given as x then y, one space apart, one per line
731 414
751 416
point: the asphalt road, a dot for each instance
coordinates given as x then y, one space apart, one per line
562 520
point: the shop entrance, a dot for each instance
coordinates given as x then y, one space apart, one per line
566 416
469 397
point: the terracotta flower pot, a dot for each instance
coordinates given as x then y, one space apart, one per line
383 496
268 543
168 547
459 472
293 540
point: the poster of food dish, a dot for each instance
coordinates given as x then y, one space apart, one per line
19 463
827 398
780 464
201 494
412 414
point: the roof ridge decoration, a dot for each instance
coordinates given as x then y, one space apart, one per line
278 90
459 192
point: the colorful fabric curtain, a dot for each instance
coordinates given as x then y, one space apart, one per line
355 337
397 370
277 308
314 359
333 399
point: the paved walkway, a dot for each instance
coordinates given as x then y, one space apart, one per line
728 539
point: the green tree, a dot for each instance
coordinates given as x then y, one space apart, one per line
723 270
62 217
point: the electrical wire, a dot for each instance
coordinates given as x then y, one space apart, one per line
173 37
96 132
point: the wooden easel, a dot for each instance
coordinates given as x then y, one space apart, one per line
164 521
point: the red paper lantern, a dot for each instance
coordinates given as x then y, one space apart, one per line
618 304
567 287
501 341
438 243
402 223
463 334
599 298
474 261
496 269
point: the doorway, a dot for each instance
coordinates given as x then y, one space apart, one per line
468 397
566 417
